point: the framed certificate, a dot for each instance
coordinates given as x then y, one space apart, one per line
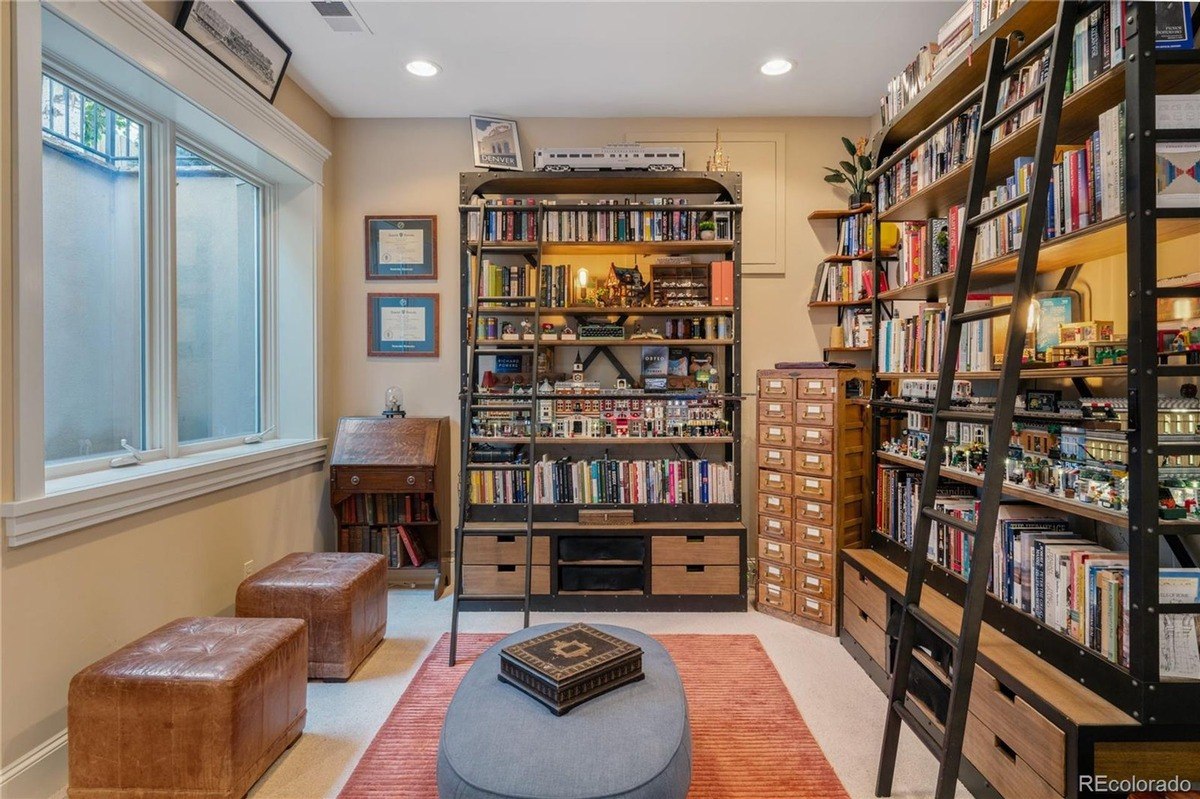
402 325
401 247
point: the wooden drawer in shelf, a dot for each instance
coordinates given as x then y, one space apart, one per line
1030 735
818 463
819 611
813 536
818 413
773 504
813 560
775 458
813 488
813 387
507 579
775 528
775 573
865 594
695 550
696 579
776 412
809 437
775 435
781 388
865 630
813 585
496 550
814 512
777 551
994 756
348 478
775 597
775 482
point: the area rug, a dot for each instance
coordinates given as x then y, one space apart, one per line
748 739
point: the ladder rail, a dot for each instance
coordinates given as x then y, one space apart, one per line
534 415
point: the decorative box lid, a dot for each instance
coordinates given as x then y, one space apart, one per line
570 652
378 441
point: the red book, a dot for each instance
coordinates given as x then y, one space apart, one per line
412 545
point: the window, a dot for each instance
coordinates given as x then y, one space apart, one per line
93 253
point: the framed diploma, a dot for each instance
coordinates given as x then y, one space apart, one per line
401 248
402 325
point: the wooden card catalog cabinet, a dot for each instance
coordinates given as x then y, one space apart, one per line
811 434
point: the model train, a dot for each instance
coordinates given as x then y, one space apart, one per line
610 157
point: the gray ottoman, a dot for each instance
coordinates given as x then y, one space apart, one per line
632 743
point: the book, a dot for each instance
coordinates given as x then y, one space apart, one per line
1173 26
412 545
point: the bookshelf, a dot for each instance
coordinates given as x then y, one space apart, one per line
838 283
1092 704
633 498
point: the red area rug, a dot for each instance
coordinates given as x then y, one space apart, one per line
748 739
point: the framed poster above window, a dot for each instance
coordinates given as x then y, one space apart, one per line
401 247
234 35
402 325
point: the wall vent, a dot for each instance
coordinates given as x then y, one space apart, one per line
340 16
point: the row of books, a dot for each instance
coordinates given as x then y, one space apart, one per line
923 252
505 280
386 509
947 150
673 225
841 282
857 327
854 235
915 343
516 220
398 544
608 481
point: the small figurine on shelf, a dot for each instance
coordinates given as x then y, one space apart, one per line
527 330
508 332
549 332
1182 340
577 370
1167 507
651 334
568 333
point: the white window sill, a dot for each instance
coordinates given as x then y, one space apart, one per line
73 503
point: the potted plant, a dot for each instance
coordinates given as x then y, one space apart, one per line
708 230
853 173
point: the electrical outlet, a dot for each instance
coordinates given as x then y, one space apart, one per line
248 568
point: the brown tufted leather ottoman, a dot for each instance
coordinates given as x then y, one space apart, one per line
200 707
342 596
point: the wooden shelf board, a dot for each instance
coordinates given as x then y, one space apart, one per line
615 182
839 303
840 213
848 349
1058 689
505 246
1087 511
866 256
589 310
1041 373
605 440
656 247
503 528
610 342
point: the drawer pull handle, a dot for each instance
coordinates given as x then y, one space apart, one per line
1005 749
811 488
354 479
506 568
694 569
863 616
774 591
695 539
506 539
412 479
811 608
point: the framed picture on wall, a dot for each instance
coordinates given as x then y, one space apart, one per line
402 325
234 35
401 247
496 143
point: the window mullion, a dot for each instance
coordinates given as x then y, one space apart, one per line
161 327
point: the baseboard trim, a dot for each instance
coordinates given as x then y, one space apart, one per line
40 773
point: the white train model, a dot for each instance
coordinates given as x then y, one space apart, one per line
610 157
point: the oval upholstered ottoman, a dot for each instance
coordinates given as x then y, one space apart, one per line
631 743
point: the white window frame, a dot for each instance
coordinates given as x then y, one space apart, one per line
248 134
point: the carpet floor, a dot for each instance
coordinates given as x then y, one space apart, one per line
749 740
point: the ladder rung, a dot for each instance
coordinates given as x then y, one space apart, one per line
1175 608
999 210
933 625
1167 450
1029 51
492 597
507 299
949 520
1178 370
1178 292
500 407
1177 57
952 415
979 314
1178 528
1192 212
923 733
503 350
1177 134
1032 96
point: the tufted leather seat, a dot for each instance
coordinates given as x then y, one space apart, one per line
342 596
200 707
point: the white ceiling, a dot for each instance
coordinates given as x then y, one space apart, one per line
606 58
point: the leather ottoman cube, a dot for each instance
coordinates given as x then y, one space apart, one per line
342 596
200 707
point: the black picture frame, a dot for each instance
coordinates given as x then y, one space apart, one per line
193 16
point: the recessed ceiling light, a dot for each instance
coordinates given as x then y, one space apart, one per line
776 66
423 69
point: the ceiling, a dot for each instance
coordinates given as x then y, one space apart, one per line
605 58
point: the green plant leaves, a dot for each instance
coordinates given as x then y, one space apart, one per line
865 162
836 177
850 148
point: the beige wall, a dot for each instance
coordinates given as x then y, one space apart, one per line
69 600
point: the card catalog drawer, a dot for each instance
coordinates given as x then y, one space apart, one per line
783 388
813 488
863 629
775 458
819 439
813 560
817 610
506 580
813 585
773 411
693 550
504 550
775 482
864 593
775 435
696 579
774 504
996 759
1030 734
775 528
813 536
775 573
776 597
810 387
820 413
819 512
777 551
819 463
